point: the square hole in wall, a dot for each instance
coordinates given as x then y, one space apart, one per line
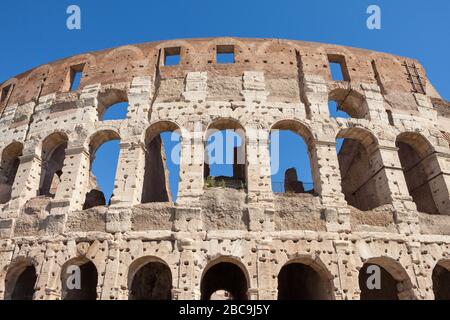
172 56
338 68
225 54
76 73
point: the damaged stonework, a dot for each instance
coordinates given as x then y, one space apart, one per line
382 200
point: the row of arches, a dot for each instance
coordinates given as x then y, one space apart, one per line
361 164
150 278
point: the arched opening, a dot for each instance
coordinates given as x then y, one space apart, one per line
9 165
290 158
304 281
345 103
79 280
53 154
104 150
441 280
363 176
336 111
151 281
225 155
112 105
162 163
422 173
20 282
384 279
227 277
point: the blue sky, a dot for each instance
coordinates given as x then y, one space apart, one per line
34 32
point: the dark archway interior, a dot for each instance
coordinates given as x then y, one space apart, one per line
52 166
297 281
88 288
224 276
9 165
388 285
441 283
156 179
360 176
24 287
153 281
416 178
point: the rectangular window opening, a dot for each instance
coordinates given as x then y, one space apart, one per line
225 54
5 93
338 68
172 56
76 73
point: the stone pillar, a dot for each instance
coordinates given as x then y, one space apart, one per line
26 184
439 167
130 174
327 183
191 168
347 282
189 275
71 192
267 284
424 290
49 275
326 174
258 165
111 282
393 189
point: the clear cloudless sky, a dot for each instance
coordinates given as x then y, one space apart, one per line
34 32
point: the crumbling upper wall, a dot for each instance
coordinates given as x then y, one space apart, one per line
282 60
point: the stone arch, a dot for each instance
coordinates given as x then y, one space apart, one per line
94 196
394 282
226 274
441 280
79 279
305 278
53 152
149 278
20 280
239 177
109 97
137 53
156 174
291 183
10 160
363 174
350 101
423 174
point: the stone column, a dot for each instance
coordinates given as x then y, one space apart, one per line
267 285
191 168
26 184
188 286
130 174
111 282
71 192
439 168
347 282
49 280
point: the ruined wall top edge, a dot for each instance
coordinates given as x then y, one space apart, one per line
276 58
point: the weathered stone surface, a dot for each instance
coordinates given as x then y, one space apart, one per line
383 200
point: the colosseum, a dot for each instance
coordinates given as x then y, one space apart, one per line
381 203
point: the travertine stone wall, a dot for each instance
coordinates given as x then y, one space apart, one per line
273 84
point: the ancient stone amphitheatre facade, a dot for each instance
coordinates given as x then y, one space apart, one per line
382 201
